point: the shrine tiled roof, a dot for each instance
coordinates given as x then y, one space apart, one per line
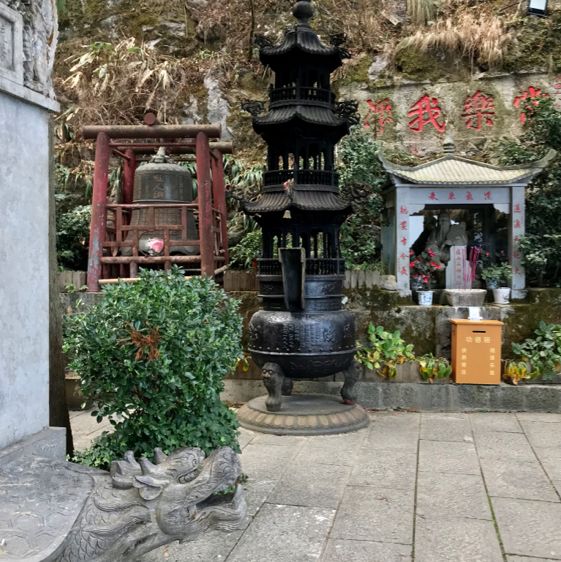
303 200
456 170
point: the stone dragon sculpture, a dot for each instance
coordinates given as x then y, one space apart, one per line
140 506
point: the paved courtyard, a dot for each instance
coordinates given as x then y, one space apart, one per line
411 487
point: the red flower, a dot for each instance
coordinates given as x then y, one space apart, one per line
431 253
434 264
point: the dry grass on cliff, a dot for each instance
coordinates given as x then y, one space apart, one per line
119 83
482 38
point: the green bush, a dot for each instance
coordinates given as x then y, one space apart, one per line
542 352
152 355
384 351
362 179
541 246
72 237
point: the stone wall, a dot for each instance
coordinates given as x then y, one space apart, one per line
418 115
24 200
428 328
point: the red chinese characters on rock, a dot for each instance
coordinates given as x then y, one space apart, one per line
533 94
426 111
479 110
380 113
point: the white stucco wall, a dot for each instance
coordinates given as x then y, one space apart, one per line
24 274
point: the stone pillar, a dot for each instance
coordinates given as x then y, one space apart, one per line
517 228
402 242
27 39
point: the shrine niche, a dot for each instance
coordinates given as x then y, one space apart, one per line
450 192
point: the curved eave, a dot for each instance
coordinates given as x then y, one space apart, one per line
309 115
301 200
297 41
458 171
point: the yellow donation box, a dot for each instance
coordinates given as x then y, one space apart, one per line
476 351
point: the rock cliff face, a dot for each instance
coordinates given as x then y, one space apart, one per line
402 65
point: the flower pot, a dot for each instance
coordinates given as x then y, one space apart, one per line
501 295
425 298
465 297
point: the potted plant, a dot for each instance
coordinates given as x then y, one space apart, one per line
433 368
498 277
515 371
422 267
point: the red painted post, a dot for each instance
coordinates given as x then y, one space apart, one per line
128 176
99 202
205 205
219 197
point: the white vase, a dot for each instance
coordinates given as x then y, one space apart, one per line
501 295
425 298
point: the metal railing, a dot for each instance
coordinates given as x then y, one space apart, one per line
314 266
302 93
311 177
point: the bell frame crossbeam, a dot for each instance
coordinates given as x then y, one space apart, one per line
123 141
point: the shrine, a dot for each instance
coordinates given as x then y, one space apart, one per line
471 192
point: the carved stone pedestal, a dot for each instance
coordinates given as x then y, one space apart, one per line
303 414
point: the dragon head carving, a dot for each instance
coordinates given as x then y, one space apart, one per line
141 505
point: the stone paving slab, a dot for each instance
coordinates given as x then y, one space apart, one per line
410 488
213 546
445 496
543 434
445 427
485 422
526 559
451 457
311 485
522 480
514 446
384 469
550 459
529 528
282 533
365 551
456 540
375 515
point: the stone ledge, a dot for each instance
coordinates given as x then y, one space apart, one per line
50 443
16 90
422 396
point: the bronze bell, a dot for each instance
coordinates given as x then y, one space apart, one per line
156 182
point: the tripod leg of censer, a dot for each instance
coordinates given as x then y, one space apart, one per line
273 378
287 385
348 391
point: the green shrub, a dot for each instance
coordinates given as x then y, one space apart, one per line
72 237
362 178
432 368
384 351
542 352
152 355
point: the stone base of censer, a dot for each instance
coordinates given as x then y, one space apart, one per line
303 414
